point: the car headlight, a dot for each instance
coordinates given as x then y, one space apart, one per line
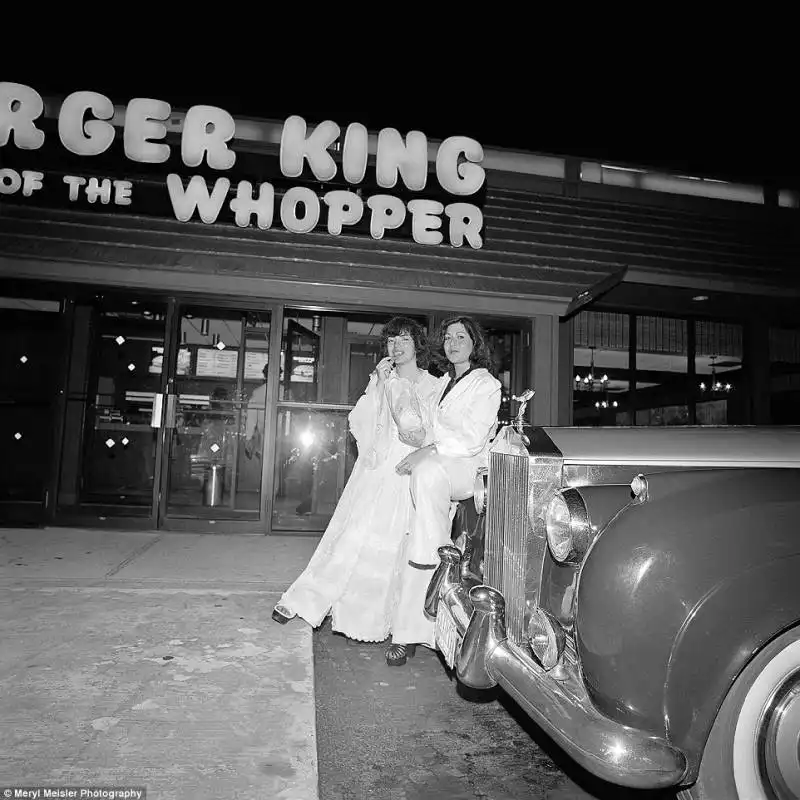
546 638
568 526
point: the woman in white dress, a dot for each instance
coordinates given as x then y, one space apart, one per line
353 573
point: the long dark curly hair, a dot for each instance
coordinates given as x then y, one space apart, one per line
481 355
398 325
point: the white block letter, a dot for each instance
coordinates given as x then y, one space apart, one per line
144 120
73 181
464 178
206 129
196 196
289 203
19 107
86 138
354 155
122 193
425 221
10 181
466 220
387 213
296 146
410 158
344 208
244 206
31 182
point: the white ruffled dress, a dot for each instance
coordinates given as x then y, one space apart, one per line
354 572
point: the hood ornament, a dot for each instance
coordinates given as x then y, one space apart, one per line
523 401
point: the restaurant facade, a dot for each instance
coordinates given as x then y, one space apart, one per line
190 304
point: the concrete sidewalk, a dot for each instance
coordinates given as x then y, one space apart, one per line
150 659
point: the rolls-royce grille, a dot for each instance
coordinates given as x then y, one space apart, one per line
507 535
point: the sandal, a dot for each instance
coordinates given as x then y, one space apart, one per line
282 615
398 654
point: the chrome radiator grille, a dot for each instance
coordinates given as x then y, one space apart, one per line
507 535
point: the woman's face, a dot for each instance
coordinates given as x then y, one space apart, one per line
401 348
457 344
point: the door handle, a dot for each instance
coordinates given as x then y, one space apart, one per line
158 405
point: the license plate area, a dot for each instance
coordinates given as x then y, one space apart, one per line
448 639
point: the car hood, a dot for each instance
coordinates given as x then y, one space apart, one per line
691 446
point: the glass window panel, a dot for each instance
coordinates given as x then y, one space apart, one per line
718 371
662 391
220 426
314 457
511 370
601 378
784 356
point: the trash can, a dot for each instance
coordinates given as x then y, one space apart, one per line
214 485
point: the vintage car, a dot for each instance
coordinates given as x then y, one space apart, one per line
637 592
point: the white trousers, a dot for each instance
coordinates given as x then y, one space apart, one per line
436 483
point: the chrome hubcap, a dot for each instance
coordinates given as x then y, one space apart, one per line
779 742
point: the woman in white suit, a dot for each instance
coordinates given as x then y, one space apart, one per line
443 472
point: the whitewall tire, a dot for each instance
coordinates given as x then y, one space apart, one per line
753 750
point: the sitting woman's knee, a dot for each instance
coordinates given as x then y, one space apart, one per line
429 469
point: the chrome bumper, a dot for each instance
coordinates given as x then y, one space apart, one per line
614 752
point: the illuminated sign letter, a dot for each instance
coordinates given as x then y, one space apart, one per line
10 181
461 179
387 213
122 192
19 107
425 221
466 221
206 130
344 208
410 158
355 152
144 120
296 146
244 206
86 138
289 203
196 196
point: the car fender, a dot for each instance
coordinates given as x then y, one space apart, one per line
729 625
647 576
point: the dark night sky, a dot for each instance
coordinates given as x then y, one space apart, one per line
703 131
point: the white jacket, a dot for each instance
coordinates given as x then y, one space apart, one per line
466 419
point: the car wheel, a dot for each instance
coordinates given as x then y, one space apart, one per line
753 750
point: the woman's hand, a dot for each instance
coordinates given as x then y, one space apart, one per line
406 466
413 437
383 369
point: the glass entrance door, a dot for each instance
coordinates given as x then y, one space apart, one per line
31 358
166 420
109 454
215 417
